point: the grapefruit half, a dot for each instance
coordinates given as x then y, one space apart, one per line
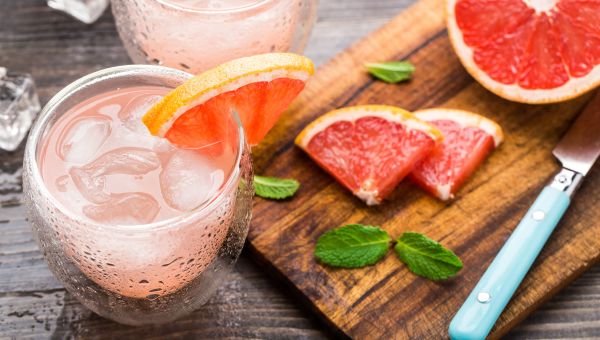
197 113
369 149
529 51
468 139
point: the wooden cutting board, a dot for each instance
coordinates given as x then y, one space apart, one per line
385 300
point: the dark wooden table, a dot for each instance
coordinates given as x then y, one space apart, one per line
57 50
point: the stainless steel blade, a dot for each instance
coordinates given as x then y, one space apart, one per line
580 146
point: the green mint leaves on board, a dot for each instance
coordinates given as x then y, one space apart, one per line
356 245
425 257
275 188
352 246
391 71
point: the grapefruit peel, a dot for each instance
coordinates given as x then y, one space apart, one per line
352 113
465 119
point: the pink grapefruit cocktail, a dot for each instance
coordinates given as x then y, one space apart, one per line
138 230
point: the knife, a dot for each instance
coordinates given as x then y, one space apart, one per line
577 151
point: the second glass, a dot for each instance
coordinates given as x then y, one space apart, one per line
195 35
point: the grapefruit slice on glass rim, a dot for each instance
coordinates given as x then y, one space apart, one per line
369 149
530 51
468 139
197 114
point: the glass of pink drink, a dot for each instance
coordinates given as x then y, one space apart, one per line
195 35
137 230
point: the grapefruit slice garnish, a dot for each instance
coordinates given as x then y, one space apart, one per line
468 139
197 113
531 51
369 149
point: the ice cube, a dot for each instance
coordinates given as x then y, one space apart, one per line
131 115
81 141
124 209
162 146
188 180
90 179
61 183
86 11
126 160
19 105
110 110
90 186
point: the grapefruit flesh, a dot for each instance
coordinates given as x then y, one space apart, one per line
468 139
258 105
368 149
532 51
198 113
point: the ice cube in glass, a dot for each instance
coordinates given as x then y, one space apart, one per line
87 11
19 105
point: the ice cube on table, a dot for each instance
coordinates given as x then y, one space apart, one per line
188 180
87 11
19 105
80 142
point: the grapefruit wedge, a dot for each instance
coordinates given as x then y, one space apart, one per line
369 149
530 51
468 139
197 113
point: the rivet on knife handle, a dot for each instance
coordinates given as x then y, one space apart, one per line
486 302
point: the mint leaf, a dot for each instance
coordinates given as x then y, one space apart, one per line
391 71
425 257
352 246
275 188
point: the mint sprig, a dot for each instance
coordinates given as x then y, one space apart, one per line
425 257
356 245
352 246
391 71
275 188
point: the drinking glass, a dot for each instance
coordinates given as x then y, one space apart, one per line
195 35
136 274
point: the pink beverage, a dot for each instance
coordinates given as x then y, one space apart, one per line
102 164
100 161
195 35
137 230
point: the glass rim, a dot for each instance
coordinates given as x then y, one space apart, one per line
231 10
38 132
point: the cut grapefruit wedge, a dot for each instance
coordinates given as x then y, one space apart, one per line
530 51
197 113
468 139
369 149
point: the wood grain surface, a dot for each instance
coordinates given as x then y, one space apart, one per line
386 300
57 50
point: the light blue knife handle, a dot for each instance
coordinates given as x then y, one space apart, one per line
482 308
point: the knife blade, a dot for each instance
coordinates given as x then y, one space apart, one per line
577 151
580 146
